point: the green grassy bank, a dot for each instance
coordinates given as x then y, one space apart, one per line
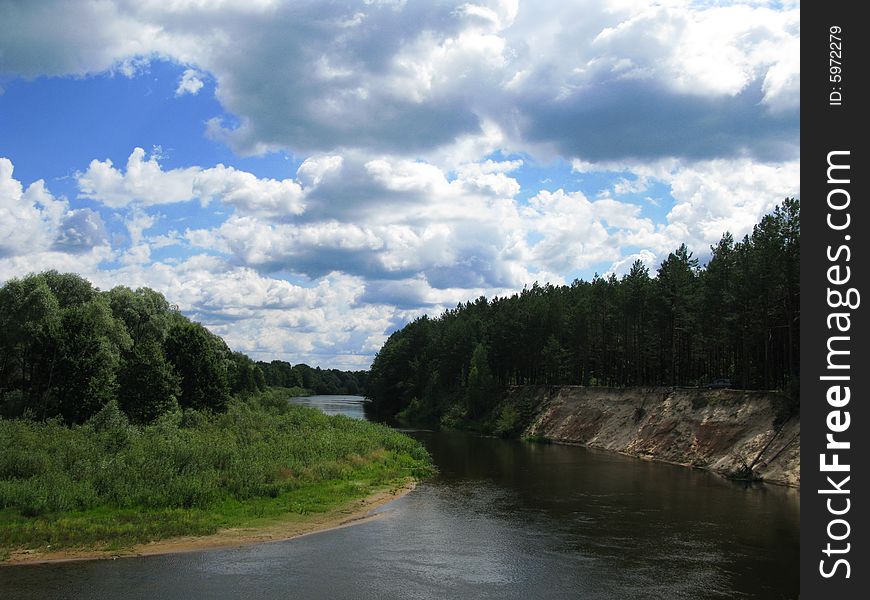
108 484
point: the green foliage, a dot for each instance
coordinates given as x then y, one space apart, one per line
508 422
736 317
91 343
148 384
400 371
277 399
196 357
69 288
109 479
481 390
279 373
30 325
244 375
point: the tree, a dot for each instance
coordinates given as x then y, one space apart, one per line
553 361
197 359
480 393
676 284
145 313
148 384
245 377
69 289
91 343
636 285
29 330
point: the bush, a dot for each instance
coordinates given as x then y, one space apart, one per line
508 422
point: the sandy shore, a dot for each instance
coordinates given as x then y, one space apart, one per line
359 511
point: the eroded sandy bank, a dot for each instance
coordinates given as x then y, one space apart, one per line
724 431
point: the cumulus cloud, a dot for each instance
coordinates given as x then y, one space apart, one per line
717 196
439 239
80 231
249 194
561 77
33 220
26 218
144 181
709 198
407 220
623 265
63 38
573 233
190 83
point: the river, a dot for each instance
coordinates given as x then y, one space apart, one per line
503 519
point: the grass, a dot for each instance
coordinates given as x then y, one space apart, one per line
108 484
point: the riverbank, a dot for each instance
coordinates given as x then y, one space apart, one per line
736 433
107 487
291 526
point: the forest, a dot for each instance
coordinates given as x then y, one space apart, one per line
68 349
279 373
737 318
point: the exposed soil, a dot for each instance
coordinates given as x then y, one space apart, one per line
724 431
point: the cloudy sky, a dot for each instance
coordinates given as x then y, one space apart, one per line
306 177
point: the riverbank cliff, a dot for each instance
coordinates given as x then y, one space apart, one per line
736 433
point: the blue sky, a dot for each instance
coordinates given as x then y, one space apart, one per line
305 177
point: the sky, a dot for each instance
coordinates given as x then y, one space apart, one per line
304 178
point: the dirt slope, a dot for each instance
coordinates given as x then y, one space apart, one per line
725 431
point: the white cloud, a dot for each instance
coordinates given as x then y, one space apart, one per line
27 219
312 171
573 233
630 186
624 264
144 181
33 220
40 232
719 195
190 83
462 77
137 223
716 51
249 194
411 226
709 198
266 317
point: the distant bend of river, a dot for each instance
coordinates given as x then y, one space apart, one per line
503 519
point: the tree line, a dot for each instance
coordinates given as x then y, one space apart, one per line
279 373
68 349
736 317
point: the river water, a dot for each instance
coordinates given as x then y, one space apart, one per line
503 519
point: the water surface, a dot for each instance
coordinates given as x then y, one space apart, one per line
351 406
502 520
